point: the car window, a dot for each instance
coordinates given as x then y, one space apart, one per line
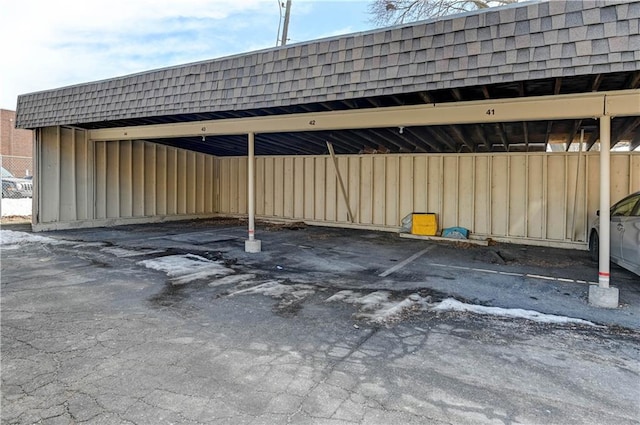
624 208
636 212
6 173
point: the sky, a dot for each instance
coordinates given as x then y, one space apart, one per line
50 44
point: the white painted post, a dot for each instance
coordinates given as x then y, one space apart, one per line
603 295
252 245
605 200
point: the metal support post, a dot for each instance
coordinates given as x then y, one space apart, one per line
252 245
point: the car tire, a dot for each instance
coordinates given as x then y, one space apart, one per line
594 246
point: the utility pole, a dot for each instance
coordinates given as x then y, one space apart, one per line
285 27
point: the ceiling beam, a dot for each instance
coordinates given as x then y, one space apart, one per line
557 86
539 108
436 134
593 138
634 81
463 137
635 143
595 84
572 133
625 130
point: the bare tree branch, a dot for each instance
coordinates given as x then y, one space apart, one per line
388 12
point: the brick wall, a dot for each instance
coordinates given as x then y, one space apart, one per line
16 145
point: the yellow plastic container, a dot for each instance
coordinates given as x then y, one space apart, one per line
424 224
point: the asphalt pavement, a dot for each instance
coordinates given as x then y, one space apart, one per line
174 323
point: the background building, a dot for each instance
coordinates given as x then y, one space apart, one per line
16 145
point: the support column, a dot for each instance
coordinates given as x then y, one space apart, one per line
603 295
252 244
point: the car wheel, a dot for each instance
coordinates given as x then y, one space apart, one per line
594 247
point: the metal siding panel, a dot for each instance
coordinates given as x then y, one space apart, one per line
499 201
517 195
405 186
341 206
208 176
379 189
278 187
82 181
449 212
182 184
113 180
148 181
126 182
331 191
172 181
161 187
140 165
101 179
434 185
260 185
49 167
482 196
320 188
392 192
535 197
288 192
67 205
309 188
200 183
466 191
556 197
269 191
354 181
298 186
191 181
420 164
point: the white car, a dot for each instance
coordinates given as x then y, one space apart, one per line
624 234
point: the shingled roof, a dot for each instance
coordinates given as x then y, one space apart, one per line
528 41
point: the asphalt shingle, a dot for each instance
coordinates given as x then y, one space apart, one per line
514 43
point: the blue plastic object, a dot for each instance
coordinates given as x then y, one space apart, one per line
455 233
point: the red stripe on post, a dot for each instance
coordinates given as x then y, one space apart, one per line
603 274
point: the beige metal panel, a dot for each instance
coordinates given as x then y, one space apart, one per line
199 184
331 192
482 200
48 174
466 191
125 169
140 167
366 190
161 187
83 182
242 185
260 185
113 180
499 195
181 185
517 196
435 183
535 196
67 204
269 189
379 189
449 212
172 181
278 187
353 182
298 187
392 191
320 188
556 197
209 183
538 108
420 179
190 183
309 188
145 201
288 192
406 186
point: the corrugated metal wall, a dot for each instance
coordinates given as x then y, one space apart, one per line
537 196
80 180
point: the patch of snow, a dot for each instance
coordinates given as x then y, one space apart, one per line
376 306
186 268
233 279
450 304
16 207
124 253
12 237
275 289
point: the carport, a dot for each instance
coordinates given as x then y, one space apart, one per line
456 116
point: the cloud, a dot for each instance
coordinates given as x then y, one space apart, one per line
65 42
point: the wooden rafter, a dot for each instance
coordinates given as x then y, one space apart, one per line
572 133
444 140
462 136
595 84
634 80
624 131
